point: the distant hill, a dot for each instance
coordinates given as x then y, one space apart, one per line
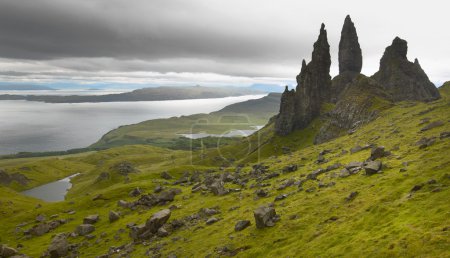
267 88
24 87
146 94
166 132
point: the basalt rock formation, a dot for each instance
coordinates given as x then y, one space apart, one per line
350 56
403 79
355 98
298 108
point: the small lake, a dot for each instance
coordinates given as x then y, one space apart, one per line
51 192
37 126
232 133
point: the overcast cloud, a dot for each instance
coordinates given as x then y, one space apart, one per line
207 42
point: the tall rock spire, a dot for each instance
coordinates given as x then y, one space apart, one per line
313 87
350 56
403 79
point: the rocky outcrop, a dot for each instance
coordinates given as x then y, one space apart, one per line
357 98
285 120
299 108
359 103
403 79
350 56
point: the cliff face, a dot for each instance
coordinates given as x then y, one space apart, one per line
313 87
403 79
352 93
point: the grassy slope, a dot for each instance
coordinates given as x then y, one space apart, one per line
383 220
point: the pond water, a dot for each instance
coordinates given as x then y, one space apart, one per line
232 133
51 192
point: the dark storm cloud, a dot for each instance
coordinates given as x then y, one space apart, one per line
241 38
59 29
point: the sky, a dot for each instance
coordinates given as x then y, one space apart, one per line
206 42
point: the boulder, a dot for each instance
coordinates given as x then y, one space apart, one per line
444 135
113 216
432 125
372 167
6 251
41 218
40 229
241 225
290 168
84 229
135 192
217 188
123 204
265 217
59 247
351 196
261 193
211 220
157 220
378 152
165 175
91 219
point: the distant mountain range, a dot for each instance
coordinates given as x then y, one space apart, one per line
24 87
146 94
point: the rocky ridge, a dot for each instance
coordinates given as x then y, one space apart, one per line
356 98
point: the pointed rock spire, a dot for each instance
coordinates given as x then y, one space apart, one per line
350 56
403 79
298 108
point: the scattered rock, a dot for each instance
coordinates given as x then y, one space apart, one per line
91 219
59 247
124 168
217 188
84 229
432 125
432 181
113 216
211 220
158 189
261 193
281 197
157 220
344 173
6 251
135 192
417 188
351 196
313 175
290 168
165 175
123 204
286 183
265 217
41 218
372 167
162 232
378 152
354 164
444 135
40 229
241 225
425 142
